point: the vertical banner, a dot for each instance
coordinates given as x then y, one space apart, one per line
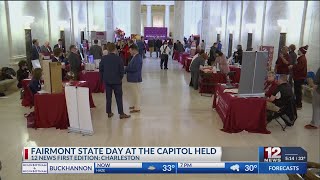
270 50
153 32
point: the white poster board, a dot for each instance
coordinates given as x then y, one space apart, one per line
78 107
36 63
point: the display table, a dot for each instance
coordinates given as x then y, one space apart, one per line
187 63
183 57
27 100
93 78
236 77
176 55
51 109
209 80
238 114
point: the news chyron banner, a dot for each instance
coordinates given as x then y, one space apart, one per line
158 160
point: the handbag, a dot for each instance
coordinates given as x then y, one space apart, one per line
163 56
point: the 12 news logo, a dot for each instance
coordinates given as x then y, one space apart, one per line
272 154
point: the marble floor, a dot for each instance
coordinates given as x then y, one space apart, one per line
172 115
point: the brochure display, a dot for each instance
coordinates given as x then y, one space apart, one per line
78 107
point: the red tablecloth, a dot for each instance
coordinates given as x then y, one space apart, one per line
238 114
208 82
187 63
183 57
27 100
236 78
51 111
95 83
176 55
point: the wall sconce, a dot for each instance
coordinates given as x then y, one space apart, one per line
218 29
283 23
231 28
82 27
250 27
28 20
62 25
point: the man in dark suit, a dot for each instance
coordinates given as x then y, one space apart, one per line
62 47
112 71
35 51
96 50
74 61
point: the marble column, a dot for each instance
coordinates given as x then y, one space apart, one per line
178 33
149 16
109 20
167 19
135 12
230 45
282 41
249 41
28 41
205 28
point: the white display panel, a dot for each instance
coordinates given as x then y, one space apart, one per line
84 113
72 106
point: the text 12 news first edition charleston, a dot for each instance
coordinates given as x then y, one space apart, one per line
158 160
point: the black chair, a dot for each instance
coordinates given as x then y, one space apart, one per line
287 113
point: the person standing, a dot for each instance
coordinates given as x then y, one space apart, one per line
202 45
151 44
212 53
315 123
134 78
164 56
223 63
158 46
283 62
238 55
195 67
60 45
299 75
219 46
74 61
112 71
35 52
46 50
96 50
140 44
293 60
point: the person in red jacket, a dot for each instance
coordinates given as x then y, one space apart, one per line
283 61
299 74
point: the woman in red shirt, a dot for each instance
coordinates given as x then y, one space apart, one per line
283 62
126 53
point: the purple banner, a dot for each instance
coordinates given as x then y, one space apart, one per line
153 32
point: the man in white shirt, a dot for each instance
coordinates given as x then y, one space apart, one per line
164 49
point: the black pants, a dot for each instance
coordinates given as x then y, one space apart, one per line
164 60
117 88
298 92
157 51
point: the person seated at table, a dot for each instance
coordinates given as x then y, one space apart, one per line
195 67
281 96
223 62
270 85
22 73
35 83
